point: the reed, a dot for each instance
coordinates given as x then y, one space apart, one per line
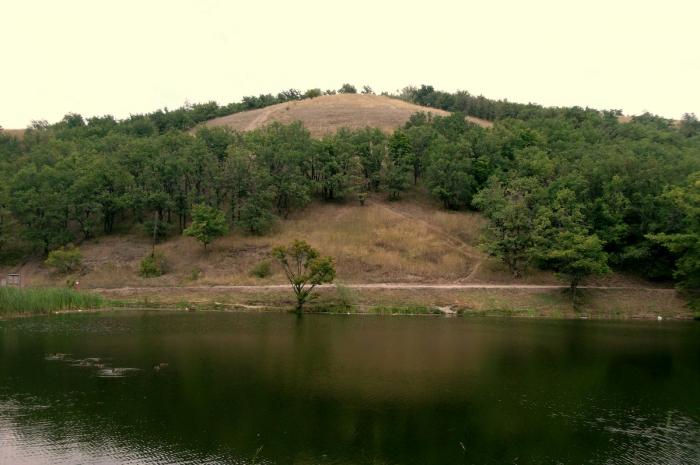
45 300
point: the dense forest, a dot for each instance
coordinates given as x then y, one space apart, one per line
568 189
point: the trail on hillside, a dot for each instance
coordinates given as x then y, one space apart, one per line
462 247
260 119
385 286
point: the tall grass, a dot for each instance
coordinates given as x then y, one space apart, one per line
44 300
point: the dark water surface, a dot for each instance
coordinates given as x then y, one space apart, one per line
274 388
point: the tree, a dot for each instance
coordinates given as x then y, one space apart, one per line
64 260
255 215
690 126
685 242
370 145
334 168
449 173
574 256
510 209
282 150
421 138
305 269
565 245
395 178
313 93
367 90
208 223
347 89
397 164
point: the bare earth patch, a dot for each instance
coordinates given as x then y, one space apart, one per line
326 114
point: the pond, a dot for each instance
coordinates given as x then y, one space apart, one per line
246 388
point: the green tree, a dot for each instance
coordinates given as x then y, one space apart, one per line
370 146
282 152
510 234
575 256
255 215
395 178
64 260
347 89
313 93
449 173
684 243
305 269
565 245
334 167
37 199
208 223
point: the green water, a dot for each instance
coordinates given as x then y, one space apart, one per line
278 389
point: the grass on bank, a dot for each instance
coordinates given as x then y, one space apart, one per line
45 300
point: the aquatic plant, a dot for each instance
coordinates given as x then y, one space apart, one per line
44 300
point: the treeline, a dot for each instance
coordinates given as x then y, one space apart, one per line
575 191
493 110
187 116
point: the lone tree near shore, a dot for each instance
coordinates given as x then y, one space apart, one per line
305 269
208 223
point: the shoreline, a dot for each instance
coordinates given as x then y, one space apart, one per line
544 301
407 312
440 299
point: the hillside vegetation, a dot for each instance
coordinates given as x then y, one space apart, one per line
568 191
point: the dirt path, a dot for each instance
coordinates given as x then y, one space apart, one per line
462 247
388 286
260 119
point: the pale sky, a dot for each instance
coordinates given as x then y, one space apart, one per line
114 57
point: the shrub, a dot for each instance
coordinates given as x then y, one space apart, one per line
346 297
153 266
261 270
195 274
64 260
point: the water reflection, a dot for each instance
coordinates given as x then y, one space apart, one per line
243 388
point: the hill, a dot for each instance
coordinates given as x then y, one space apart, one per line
18 133
569 190
326 114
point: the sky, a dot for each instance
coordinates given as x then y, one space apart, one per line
123 57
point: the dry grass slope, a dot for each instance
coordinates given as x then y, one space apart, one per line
326 114
411 241
18 133
376 243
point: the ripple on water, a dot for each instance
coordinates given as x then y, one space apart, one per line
117 372
672 439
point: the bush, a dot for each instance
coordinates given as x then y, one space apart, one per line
153 266
261 270
64 260
346 297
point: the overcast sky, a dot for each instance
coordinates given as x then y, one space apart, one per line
122 56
